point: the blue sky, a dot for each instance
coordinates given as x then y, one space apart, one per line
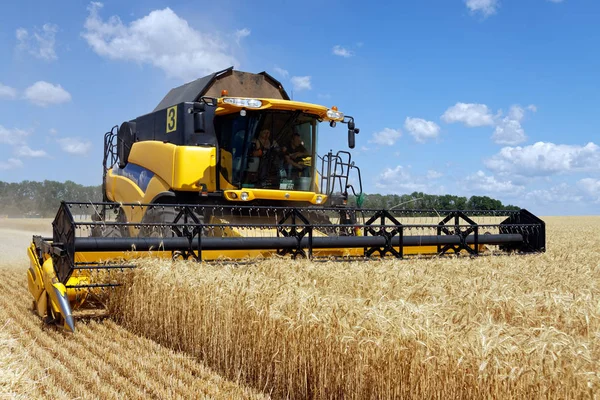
467 97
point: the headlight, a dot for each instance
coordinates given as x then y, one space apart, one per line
250 103
335 115
319 199
244 196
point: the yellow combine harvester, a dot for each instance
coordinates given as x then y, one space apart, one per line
226 167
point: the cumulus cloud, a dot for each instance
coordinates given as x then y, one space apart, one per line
509 130
481 182
283 73
386 137
74 145
399 179
591 187
342 51
483 7
11 163
6 92
26 151
421 129
561 193
44 94
472 115
301 83
12 136
161 39
40 43
543 159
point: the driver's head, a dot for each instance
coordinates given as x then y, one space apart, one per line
264 134
296 139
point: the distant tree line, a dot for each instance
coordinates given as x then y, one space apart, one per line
420 200
41 199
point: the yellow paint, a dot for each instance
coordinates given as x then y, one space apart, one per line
171 119
272 194
35 283
155 156
194 166
181 167
277 104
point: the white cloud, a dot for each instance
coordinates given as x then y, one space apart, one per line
386 137
40 44
591 187
301 83
399 179
484 7
433 174
281 72
489 184
561 193
74 145
342 51
542 159
509 130
421 129
472 115
11 163
52 131
44 94
12 136
6 92
26 151
161 39
240 34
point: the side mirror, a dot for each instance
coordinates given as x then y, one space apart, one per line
351 138
351 125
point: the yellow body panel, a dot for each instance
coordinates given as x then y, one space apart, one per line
155 186
278 104
194 166
183 168
156 156
272 194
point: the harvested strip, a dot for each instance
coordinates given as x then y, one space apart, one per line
101 360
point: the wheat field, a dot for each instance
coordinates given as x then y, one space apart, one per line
102 360
489 327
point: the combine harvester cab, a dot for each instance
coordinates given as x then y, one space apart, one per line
208 176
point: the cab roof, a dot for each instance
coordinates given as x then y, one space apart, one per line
237 84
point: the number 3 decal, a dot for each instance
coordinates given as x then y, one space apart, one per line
171 119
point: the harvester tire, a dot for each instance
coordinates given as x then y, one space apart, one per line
158 216
162 216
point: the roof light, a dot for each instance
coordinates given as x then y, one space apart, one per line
224 93
250 103
334 114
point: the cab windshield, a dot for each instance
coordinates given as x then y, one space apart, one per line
268 149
